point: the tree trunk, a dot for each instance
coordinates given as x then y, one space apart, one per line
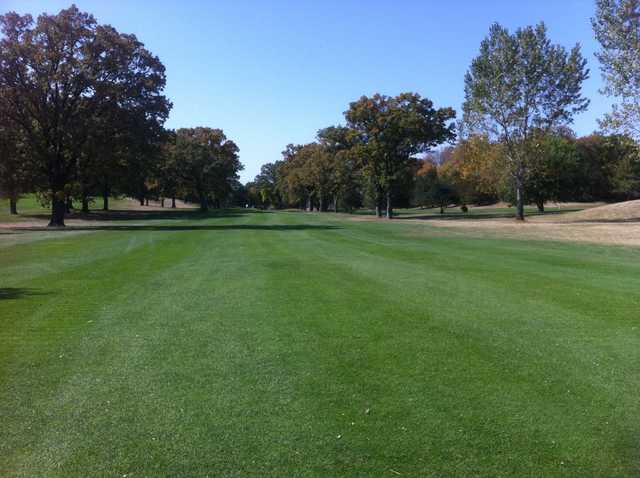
441 209
85 203
141 199
58 208
13 204
173 203
105 197
389 209
519 200
69 204
146 201
540 204
335 203
162 202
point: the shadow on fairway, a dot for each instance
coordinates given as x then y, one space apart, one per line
7 293
135 215
186 227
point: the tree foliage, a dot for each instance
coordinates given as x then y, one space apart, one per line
521 83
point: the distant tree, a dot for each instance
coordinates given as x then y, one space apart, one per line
208 163
59 75
390 131
617 28
555 174
520 83
338 142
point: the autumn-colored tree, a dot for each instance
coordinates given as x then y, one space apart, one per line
390 131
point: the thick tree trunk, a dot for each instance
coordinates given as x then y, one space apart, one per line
13 204
58 208
162 202
146 201
389 208
519 201
540 204
173 203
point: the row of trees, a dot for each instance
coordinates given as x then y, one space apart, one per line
366 160
564 168
82 115
514 141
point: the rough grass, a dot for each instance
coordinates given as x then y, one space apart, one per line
286 344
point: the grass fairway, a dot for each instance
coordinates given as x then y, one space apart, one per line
295 345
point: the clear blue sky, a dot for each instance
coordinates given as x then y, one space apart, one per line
273 73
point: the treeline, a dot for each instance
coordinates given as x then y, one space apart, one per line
368 161
514 141
563 168
82 115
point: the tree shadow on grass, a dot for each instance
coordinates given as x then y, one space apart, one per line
7 293
186 227
136 215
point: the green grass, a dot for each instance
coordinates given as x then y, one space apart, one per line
286 344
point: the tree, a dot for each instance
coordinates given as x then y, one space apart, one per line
518 84
389 132
208 163
617 28
555 174
13 166
338 142
61 73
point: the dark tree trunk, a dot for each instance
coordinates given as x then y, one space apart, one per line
173 203
146 201
69 204
58 208
162 202
105 197
519 201
13 204
389 208
141 199
204 202
441 209
85 203
540 204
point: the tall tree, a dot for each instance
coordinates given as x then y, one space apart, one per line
617 28
390 131
521 83
58 74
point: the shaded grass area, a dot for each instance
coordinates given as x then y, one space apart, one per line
286 344
472 213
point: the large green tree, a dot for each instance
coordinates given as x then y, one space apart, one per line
520 84
617 28
60 76
390 131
